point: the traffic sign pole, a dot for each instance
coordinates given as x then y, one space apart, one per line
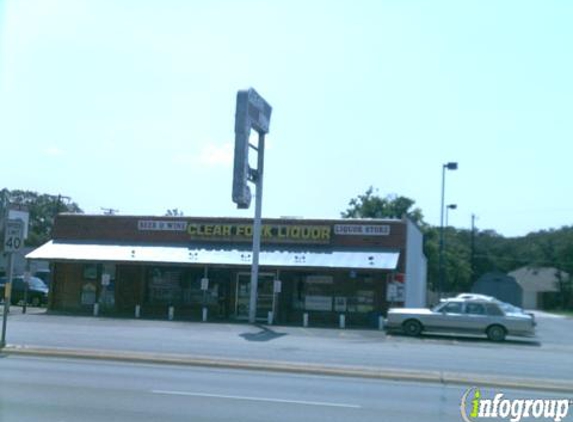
7 298
13 239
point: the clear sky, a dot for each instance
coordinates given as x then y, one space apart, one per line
129 104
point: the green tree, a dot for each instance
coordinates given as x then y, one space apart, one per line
43 209
371 205
175 212
492 251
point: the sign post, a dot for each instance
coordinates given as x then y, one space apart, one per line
13 240
252 112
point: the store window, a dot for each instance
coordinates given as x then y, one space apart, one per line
341 292
361 297
197 291
163 286
108 285
90 272
317 293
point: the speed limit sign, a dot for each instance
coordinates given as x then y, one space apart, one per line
13 235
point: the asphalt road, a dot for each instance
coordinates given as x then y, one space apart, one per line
59 390
549 356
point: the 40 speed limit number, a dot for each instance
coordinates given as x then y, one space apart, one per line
13 236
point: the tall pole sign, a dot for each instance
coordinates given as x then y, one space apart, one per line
252 112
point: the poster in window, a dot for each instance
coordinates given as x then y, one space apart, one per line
90 271
88 294
318 303
395 292
340 304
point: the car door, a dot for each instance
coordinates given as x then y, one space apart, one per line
449 317
475 317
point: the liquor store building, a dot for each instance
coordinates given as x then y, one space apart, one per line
321 268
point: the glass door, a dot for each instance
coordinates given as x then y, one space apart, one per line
264 295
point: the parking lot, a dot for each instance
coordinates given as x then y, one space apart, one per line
548 355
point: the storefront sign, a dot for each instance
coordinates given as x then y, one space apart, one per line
361 230
162 225
286 233
318 234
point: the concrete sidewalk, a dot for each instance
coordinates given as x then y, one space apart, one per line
358 353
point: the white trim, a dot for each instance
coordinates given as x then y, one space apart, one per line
302 258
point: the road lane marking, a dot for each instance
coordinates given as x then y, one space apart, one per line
263 399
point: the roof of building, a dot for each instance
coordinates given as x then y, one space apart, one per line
538 279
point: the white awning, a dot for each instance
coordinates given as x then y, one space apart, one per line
290 257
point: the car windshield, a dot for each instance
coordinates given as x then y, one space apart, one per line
36 283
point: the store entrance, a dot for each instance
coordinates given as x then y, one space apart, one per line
264 295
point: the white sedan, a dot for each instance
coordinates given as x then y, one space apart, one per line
464 315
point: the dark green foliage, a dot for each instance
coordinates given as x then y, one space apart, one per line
493 252
370 205
42 207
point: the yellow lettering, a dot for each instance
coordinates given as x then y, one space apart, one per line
315 233
208 230
295 232
267 231
226 231
192 229
325 233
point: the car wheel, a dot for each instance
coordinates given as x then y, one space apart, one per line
412 327
496 333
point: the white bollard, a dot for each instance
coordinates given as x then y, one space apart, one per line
380 322
205 311
342 321
305 319
171 314
137 311
96 309
270 318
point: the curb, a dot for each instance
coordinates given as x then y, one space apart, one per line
392 374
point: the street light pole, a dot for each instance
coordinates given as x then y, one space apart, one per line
448 208
447 166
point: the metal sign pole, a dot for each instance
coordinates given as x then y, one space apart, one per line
7 298
252 112
257 229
